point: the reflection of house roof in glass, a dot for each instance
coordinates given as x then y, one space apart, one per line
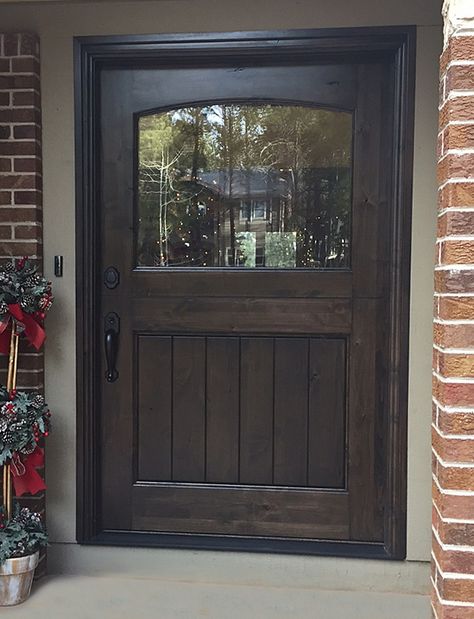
255 183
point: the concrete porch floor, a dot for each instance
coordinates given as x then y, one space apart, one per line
91 597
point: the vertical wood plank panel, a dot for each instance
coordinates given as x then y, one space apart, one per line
154 408
256 406
326 423
222 452
291 411
189 375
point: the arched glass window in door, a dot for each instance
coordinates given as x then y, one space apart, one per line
246 186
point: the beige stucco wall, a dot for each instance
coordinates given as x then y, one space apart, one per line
57 23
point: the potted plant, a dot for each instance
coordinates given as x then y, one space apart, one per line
21 538
25 297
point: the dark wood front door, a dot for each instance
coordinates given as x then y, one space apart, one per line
245 216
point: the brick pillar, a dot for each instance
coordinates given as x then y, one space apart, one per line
453 358
21 180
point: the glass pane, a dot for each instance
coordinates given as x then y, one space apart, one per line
244 186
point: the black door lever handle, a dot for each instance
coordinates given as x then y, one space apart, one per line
112 329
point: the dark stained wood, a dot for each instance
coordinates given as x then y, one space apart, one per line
256 410
152 283
189 409
363 449
327 413
222 404
291 412
104 481
154 407
118 429
369 245
243 315
243 511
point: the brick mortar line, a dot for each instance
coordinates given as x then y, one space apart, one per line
453 351
453 321
453 380
27 173
439 239
455 151
455 180
454 295
38 242
18 107
455 123
23 223
452 491
453 411
451 520
450 267
20 140
450 122
19 224
451 465
454 93
447 602
454 437
447 209
450 575
451 547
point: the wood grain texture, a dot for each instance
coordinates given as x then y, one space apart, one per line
242 511
327 413
154 408
291 411
256 410
264 316
189 409
222 410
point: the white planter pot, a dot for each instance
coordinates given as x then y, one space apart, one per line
16 577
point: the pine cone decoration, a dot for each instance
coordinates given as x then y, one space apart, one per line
8 437
28 301
38 402
29 281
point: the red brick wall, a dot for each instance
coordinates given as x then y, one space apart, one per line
21 178
453 354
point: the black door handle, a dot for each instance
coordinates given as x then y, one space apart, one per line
112 329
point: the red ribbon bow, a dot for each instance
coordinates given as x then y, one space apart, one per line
25 477
32 328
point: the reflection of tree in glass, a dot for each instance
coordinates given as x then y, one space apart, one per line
247 249
208 174
280 249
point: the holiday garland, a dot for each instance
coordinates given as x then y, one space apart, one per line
20 283
24 419
25 297
22 535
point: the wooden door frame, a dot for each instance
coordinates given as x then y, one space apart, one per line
92 53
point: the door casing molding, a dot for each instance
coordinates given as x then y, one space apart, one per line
397 46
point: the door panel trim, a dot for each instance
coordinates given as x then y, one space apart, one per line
396 45
301 504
